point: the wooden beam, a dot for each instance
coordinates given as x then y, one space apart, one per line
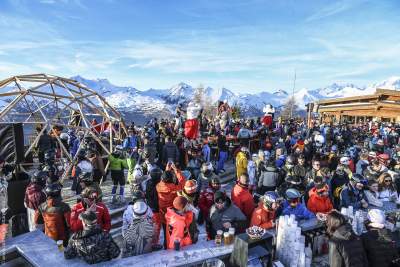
11 105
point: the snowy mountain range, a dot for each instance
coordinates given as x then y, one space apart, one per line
141 105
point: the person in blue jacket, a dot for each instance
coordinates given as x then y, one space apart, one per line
294 206
353 194
131 142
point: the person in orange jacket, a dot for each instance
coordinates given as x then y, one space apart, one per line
265 214
181 224
319 201
241 196
172 181
55 213
90 201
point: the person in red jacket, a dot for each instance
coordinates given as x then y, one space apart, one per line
181 224
172 181
265 214
241 196
319 201
206 199
90 201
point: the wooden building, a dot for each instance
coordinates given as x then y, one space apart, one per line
383 105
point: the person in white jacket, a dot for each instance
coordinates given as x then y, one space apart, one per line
129 214
251 170
372 194
387 189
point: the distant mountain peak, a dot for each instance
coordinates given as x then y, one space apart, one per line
280 92
153 102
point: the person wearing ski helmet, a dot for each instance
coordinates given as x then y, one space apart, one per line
34 196
54 213
86 181
264 215
294 206
139 234
288 168
353 193
205 176
117 165
129 214
82 165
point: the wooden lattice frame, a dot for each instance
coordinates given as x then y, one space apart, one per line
68 97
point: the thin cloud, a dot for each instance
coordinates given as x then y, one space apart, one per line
334 9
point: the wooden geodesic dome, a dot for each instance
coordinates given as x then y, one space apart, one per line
47 102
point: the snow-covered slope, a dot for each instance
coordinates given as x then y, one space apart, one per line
153 102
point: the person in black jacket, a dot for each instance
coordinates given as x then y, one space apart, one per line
345 248
45 143
170 152
378 242
92 244
152 201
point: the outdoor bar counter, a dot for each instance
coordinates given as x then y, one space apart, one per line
39 250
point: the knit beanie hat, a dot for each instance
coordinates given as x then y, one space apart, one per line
180 203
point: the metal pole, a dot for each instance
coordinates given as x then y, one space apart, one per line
294 86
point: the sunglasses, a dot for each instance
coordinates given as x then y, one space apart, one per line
388 181
295 200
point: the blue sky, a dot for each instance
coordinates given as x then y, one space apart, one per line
246 46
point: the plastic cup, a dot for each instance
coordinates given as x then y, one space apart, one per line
231 231
227 238
60 245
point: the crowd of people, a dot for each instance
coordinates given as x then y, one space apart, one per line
176 187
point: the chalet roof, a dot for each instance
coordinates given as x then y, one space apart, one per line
379 94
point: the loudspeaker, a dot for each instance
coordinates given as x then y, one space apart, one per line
12 142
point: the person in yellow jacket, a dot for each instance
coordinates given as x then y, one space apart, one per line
241 161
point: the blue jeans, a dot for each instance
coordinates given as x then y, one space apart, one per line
223 156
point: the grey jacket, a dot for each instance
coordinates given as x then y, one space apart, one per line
138 237
268 177
231 213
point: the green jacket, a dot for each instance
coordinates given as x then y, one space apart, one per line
117 164
131 163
